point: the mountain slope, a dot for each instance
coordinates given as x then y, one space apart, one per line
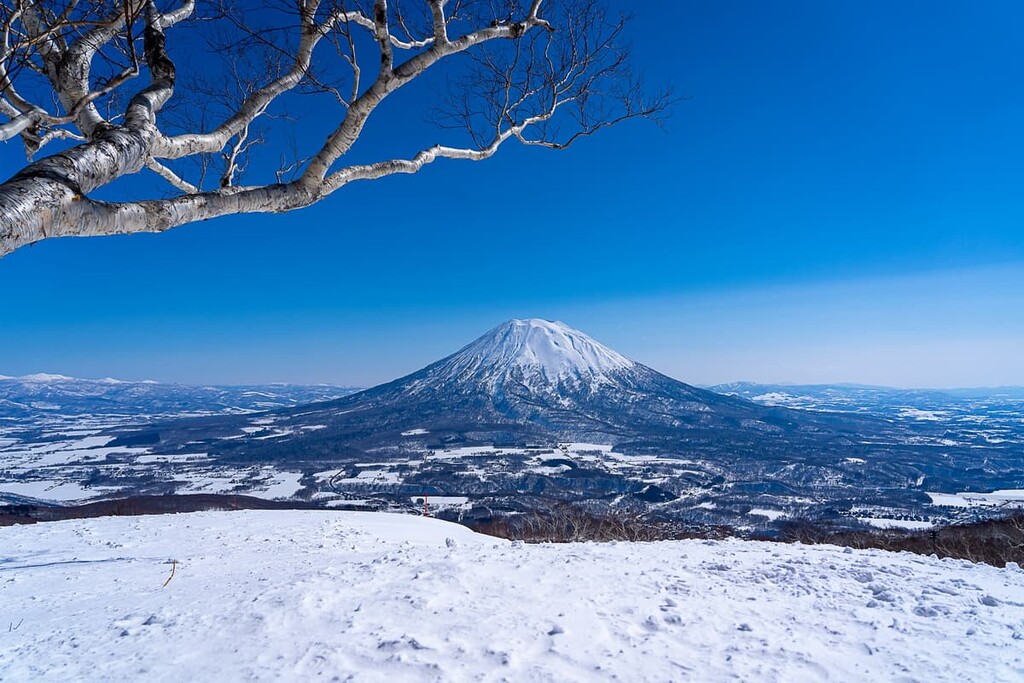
551 377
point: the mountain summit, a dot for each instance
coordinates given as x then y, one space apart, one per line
534 352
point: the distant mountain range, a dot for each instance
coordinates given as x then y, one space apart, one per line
544 365
41 394
513 360
750 389
864 398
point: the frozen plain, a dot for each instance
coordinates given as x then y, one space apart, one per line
319 595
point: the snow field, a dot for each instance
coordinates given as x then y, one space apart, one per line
1007 497
318 595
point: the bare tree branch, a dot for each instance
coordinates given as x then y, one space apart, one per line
170 176
540 72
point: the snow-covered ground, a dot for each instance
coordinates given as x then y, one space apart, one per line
887 523
1005 497
318 595
58 467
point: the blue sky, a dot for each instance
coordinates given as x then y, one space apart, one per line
838 198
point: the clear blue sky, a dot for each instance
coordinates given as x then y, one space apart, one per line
839 198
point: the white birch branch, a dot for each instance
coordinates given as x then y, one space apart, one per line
517 97
170 176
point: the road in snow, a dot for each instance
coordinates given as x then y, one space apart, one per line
317 595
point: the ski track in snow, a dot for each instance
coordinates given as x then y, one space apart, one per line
316 595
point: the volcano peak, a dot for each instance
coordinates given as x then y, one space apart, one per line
534 347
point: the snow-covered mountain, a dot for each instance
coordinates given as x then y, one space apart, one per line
535 377
35 395
537 353
548 377
525 381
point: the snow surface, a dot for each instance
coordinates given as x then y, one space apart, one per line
53 490
918 414
1007 497
284 485
772 515
887 523
318 595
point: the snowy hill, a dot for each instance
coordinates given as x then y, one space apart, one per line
374 597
